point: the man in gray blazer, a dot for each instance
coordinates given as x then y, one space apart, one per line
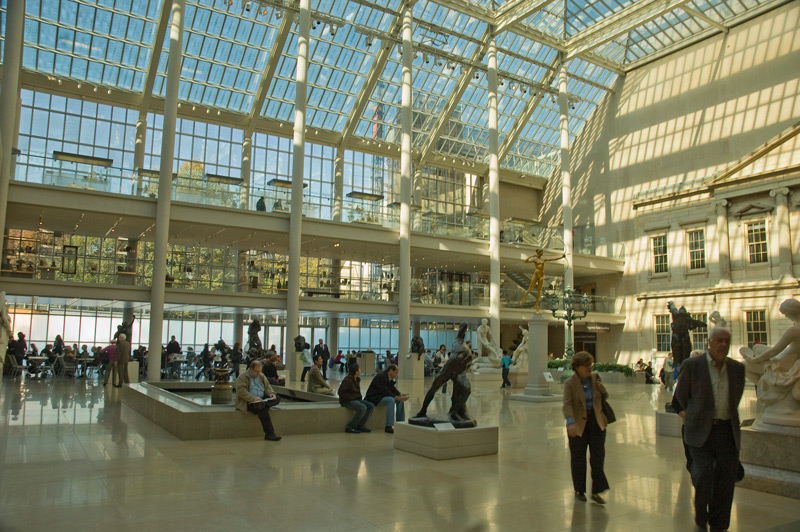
707 398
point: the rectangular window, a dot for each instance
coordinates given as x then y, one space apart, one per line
697 249
756 323
699 336
663 332
757 242
659 244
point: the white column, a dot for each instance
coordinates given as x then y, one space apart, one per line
138 153
784 231
165 191
409 367
566 185
298 154
338 185
723 251
244 192
9 101
494 196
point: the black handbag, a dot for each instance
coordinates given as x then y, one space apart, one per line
608 412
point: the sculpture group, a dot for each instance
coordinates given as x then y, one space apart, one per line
776 372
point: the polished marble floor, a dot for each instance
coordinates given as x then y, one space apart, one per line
73 458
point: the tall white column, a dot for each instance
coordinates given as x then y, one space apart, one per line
494 195
723 245
244 192
298 154
409 367
781 196
566 184
138 153
165 191
338 185
9 101
538 388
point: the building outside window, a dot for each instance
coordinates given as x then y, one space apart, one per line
663 332
699 336
659 245
697 249
756 326
757 242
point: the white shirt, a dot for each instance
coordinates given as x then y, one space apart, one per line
719 385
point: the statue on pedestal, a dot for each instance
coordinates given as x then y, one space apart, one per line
520 357
300 343
682 323
454 370
417 346
537 280
776 371
489 353
255 349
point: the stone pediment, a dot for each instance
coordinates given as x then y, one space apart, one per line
754 209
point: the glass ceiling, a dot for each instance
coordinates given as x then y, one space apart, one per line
239 55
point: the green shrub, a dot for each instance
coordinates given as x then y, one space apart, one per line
559 363
610 366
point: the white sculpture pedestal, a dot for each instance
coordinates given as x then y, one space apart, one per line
668 424
411 366
537 389
770 455
519 379
293 365
445 442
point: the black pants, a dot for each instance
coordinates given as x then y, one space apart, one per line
506 382
713 471
324 368
595 440
262 411
306 369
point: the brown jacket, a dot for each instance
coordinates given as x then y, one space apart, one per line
316 383
243 395
575 401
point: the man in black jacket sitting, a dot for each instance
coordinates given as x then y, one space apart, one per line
382 391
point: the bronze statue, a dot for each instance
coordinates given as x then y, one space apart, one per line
300 343
454 370
538 275
682 323
252 336
417 346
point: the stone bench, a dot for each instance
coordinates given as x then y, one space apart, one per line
189 421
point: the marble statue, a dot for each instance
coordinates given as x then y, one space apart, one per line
5 329
489 353
718 321
682 323
537 280
454 370
519 360
776 371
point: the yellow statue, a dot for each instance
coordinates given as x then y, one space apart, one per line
538 276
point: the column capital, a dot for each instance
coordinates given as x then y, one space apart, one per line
783 191
721 204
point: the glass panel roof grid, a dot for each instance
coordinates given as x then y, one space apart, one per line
434 22
723 10
583 14
103 45
224 55
525 47
549 20
661 32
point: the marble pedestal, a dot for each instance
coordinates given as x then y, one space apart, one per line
445 444
668 424
770 455
519 379
537 389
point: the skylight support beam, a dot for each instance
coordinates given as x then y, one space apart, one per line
516 11
369 86
620 23
155 57
275 55
702 16
522 119
455 99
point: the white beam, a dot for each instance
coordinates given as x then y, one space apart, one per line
155 57
620 23
269 71
372 79
702 16
516 11
454 100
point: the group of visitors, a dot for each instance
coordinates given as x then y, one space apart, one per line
707 395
